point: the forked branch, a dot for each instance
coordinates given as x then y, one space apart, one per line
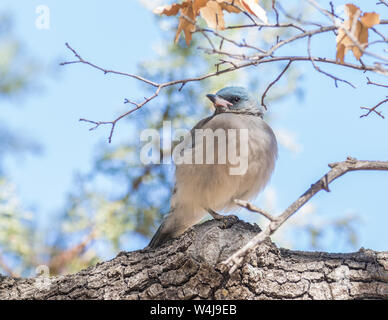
338 169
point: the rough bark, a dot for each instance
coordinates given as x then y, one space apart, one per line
189 268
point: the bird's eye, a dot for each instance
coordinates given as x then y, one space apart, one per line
236 99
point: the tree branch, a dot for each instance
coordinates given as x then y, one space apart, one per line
337 170
272 83
189 268
262 56
252 208
373 109
376 84
336 79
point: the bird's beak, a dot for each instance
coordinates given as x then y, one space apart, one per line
218 101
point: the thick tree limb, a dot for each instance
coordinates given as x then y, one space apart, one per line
189 268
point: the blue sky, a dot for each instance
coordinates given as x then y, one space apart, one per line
51 115
122 33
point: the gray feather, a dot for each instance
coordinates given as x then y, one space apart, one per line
200 186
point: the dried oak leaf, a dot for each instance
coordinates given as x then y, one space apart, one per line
210 10
186 24
253 7
170 10
213 15
189 10
357 25
226 5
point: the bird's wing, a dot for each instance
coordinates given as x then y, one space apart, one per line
199 125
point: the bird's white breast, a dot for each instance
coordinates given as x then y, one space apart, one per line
200 186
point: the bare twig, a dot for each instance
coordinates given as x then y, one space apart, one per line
276 11
106 71
376 84
336 79
251 207
232 61
272 83
382 2
182 82
338 169
262 25
373 109
223 38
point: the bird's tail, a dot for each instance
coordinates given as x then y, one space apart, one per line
161 236
180 218
168 230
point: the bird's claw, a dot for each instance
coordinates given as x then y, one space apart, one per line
227 221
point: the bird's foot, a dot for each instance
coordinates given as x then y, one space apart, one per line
227 221
215 215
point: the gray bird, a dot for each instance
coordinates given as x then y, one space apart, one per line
213 187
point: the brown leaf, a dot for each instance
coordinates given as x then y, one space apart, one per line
225 5
213 15
198 4
186 26
370 19
359 30
351 10
344 43
210 10
170 10
252 6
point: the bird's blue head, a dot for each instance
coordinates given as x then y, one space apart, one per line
235 100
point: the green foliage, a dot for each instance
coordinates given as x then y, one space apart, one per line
16 232
17 71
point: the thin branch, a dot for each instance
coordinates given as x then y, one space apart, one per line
382 2
376 84
223 38
373 109
336 79
262 25
208 38
272 83
244 61
276 11
160 86
182 82
105 71
338 169
297 19
252 208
